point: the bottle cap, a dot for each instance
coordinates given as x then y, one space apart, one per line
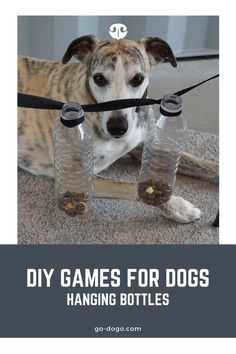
171 105
72 114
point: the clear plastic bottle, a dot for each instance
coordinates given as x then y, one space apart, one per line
162 150
73 160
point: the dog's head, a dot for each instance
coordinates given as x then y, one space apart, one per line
118 69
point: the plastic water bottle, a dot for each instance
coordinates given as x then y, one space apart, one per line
73 160
162 150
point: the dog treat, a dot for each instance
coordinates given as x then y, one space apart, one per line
154 192
73 203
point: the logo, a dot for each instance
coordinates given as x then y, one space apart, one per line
118 31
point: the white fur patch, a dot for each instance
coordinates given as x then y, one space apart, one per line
108 151
180 210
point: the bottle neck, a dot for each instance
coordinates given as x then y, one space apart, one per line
171 106
72 114
169 114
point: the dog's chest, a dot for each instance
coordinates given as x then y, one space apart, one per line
107 151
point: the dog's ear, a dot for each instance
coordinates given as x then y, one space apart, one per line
158 50
81 48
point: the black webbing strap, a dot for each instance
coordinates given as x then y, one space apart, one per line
182 92
31 101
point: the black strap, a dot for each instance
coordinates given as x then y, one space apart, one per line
31 101
182 92
144 96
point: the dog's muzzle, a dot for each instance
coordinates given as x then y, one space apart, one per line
117 126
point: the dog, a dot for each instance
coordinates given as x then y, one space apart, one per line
105 70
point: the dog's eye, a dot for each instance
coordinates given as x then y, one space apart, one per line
99 80
137 80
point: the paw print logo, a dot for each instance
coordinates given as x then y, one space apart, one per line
118 31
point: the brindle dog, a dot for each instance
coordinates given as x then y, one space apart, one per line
107 70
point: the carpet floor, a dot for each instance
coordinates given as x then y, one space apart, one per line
120 221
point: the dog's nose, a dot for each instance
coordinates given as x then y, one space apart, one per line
117 126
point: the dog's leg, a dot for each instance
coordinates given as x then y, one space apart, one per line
193 166
136 153
180 210
107 188
189 165
176 208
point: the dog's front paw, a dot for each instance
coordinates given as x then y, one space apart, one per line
180 210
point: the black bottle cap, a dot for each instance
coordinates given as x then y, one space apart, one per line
171 106
72 114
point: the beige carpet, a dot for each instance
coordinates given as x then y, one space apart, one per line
119 221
